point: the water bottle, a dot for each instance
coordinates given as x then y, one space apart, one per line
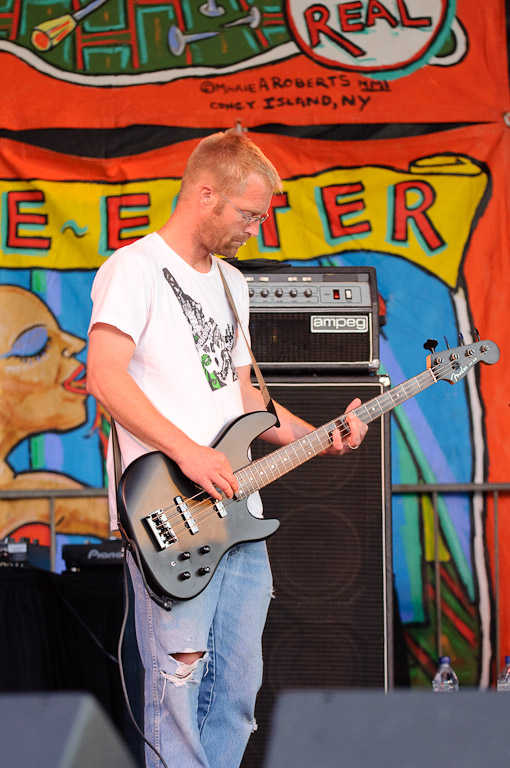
445 679
503 683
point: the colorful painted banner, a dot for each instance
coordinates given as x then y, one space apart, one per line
429 212
201 63
427 218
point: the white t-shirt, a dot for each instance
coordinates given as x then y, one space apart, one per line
187 345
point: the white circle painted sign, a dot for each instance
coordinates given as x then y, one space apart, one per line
378 37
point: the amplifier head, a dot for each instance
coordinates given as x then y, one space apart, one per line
314 318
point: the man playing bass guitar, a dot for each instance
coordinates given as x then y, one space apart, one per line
169 364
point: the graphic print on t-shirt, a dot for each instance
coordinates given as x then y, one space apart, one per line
213 347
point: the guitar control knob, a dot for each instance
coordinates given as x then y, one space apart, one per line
205 550
185 575
185 556
204 571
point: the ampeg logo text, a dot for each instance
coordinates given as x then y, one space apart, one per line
339 324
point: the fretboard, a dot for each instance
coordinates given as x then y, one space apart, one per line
263 471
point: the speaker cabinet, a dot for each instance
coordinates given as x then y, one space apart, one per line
330 624
361 729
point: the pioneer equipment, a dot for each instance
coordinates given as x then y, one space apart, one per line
79 557
24 553
314 318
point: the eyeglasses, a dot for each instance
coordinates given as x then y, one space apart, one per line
249 219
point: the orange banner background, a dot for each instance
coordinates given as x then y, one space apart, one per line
471 84
301 97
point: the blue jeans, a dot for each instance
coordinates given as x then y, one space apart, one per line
202 715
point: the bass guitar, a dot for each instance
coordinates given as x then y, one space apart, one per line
181 533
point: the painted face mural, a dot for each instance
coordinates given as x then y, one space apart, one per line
42 382
42 390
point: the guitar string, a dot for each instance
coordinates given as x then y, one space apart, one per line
206 505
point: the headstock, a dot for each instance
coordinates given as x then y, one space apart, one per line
452 364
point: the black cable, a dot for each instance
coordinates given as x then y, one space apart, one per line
164 602
121 667
118 660
83 623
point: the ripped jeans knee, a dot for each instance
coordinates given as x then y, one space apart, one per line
185 674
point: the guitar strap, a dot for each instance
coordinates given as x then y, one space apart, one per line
260 379
116 454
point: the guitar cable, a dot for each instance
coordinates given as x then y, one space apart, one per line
163 602
119 658
84 624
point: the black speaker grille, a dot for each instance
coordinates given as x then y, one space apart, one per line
327 627
285 337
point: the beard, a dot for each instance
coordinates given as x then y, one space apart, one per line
215 236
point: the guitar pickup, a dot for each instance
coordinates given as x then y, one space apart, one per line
161 529
188 519
219 507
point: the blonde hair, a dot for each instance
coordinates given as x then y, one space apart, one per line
228 158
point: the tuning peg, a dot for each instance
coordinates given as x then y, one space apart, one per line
177 40
431 345
446 342
477 335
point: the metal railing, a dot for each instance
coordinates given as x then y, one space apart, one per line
434 490
50 494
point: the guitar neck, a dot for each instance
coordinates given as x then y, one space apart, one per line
264 471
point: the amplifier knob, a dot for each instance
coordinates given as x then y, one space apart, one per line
308 292
293 292
251 292
278 292
264 292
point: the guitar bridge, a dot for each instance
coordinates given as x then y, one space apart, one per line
161 529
